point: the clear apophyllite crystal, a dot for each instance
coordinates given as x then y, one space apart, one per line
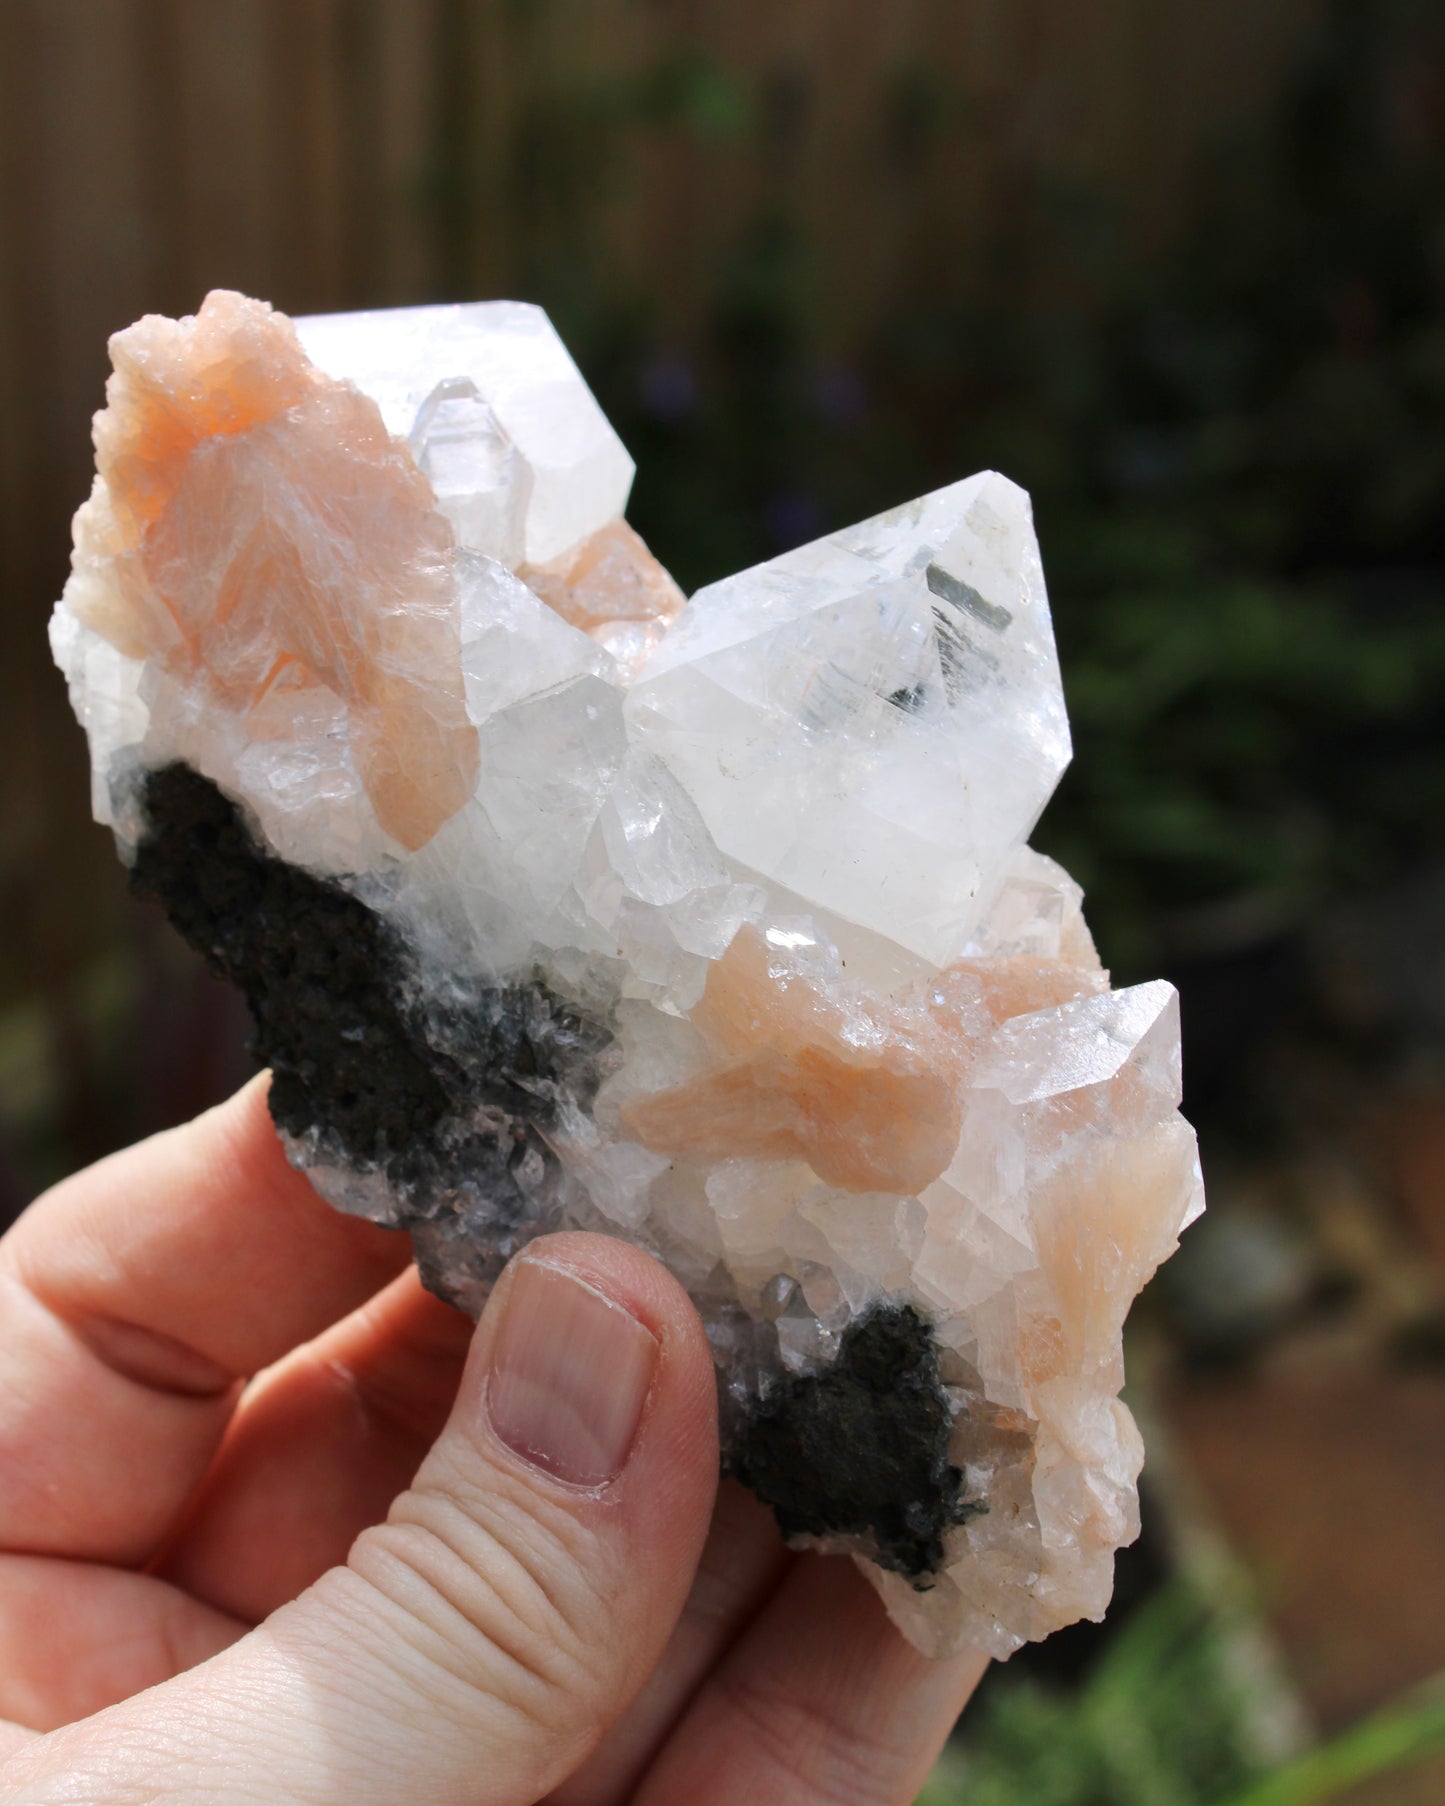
559 904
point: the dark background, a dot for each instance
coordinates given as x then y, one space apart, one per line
1178 269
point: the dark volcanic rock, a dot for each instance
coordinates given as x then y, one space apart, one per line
430 1098
861 1448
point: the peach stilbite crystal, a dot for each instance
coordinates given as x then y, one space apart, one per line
867 1095
869 1105
614 589
256 531
559 904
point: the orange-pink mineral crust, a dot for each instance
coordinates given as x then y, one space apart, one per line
613 588
865 1089
714 925
257 532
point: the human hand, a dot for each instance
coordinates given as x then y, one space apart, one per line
279 1526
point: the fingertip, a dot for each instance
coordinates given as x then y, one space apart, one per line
239 1148
235 1153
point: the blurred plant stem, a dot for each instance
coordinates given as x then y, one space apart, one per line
1403 1733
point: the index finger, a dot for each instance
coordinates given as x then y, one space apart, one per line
136 1297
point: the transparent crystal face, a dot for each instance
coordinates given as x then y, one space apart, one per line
482 483
876 721
714 926
509 352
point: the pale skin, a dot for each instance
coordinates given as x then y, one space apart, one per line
263 1540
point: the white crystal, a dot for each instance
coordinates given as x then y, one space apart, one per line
482 482
105 693
798 1008
874 721
510 355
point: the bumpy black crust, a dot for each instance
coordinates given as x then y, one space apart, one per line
861 1448
353 1048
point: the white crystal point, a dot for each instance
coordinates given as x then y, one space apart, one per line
1087 1043
509 355
482 482
876 720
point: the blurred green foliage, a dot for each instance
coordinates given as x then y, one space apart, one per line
1408 1731
1236 452
1163 1718
1159 1720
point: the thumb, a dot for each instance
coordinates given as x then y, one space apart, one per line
478 1644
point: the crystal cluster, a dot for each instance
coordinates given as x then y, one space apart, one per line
559 903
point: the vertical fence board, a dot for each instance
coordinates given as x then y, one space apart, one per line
226 229
403 89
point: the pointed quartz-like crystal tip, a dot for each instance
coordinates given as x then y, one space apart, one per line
558 903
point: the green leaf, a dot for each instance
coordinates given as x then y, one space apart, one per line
1402 1733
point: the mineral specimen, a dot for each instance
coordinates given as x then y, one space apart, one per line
560 903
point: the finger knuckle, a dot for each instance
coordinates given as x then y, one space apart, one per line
503 1600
